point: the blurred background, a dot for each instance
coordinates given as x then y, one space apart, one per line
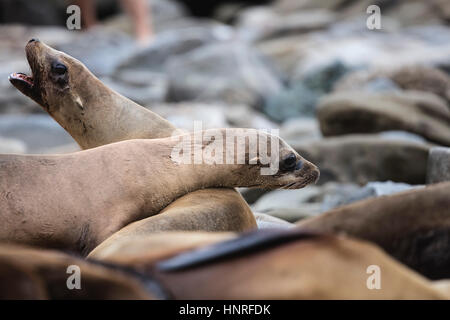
364 105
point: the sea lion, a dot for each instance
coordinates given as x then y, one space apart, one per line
271 264
43 274
75 201
413 226
95 115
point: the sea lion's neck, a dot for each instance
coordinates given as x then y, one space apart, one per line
158 179
99 109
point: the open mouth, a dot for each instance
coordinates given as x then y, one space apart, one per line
18 78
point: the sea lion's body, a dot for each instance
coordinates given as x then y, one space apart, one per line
95 115
269 264
413 226
77 200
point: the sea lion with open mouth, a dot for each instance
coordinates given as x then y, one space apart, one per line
95 115
75 201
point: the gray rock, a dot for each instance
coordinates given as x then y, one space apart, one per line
230 72
262 22
141 86
364 158
372 189
289 205
355 46
301 98
168 44
438 165
100 49
422 113
265 221
37 132
295 130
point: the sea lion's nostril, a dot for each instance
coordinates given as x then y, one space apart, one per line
299 165
33 40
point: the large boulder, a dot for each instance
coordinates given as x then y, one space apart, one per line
438 165
364 158
357 47
415 77
263 22
360 112
175 42
229 72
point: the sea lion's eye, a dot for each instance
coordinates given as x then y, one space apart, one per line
289 162
59 68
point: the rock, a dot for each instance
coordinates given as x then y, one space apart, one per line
301 97
264 221
262 22
351 43
242 116
289 205
295 130
292 102
423 78
100 49
364 158
438 165
371 189
37 132
421 113
229 72
415 77
405 12
12 146
401 135
183 115
170 43
142 86
212 115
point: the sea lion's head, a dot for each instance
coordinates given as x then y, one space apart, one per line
286 168
56 79
250 158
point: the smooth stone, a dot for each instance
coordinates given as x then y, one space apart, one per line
299 129
262 22
371 189
171 43
143 87
230 72
265 221
361 158
37 132
422 113
413 77
100 49
438 165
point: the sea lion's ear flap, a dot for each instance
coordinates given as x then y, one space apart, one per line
79 102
